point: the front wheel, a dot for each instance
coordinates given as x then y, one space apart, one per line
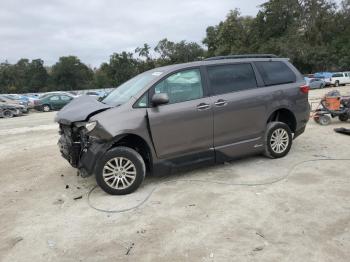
336 83
278 140
120 171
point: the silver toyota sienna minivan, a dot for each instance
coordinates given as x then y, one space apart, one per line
183 115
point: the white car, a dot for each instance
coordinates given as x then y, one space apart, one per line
341 78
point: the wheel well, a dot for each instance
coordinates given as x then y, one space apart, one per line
138 144
285 116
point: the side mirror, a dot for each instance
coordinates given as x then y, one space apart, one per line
160 99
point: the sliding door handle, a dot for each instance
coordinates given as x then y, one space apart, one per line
203 106
221 102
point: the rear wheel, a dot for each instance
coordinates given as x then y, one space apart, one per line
46 108
120 171
278 140
7 114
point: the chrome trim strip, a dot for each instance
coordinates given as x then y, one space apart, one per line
238 143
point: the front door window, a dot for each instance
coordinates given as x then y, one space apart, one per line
182 86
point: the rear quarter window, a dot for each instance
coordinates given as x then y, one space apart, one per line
275 73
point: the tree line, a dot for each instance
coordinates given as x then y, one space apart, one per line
314 34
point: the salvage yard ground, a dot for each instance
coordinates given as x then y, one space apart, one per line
301 213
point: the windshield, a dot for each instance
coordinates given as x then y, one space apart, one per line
124 92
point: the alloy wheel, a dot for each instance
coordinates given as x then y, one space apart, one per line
279 140
119 173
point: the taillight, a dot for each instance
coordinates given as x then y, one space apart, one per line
305 89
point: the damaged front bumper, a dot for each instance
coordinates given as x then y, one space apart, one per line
79 149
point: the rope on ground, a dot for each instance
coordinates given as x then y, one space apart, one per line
148 196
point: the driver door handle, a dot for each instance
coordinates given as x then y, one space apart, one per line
221 102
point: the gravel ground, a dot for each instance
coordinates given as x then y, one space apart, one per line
301 213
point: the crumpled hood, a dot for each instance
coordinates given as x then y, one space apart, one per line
79 110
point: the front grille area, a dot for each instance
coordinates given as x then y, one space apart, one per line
70 145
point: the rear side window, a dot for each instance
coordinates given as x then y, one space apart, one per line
54 98
275 73
231 78
337 75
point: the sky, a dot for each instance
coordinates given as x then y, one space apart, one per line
94 29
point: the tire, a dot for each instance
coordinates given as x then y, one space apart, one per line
344 117
324 120
281 132
118 167
336 83
46 108
7 114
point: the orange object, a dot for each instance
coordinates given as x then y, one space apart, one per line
333 102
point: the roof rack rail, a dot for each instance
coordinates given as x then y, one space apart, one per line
241 56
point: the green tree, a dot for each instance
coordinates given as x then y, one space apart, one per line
181 52
232 36
37 76
145 61
7 78
69 73
121 68
101 77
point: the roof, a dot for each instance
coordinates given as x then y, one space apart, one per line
218 60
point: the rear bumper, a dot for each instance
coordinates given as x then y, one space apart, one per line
303 119
299 131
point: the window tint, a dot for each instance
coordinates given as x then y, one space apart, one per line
181 86
54 98
275 73
230 78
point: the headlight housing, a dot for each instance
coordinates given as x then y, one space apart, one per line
90 126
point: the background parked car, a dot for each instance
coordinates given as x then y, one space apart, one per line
315 83
17 98
325 76
52 102
97 94
8 111
56 93
340 78
13 102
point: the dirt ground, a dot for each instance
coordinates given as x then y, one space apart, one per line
300 213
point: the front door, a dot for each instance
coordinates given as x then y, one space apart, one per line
184 125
